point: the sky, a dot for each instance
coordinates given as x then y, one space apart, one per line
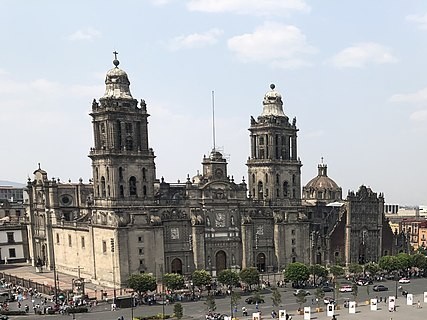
353 73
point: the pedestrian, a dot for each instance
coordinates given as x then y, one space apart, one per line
419 304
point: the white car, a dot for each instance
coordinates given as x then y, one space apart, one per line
404 280
346 289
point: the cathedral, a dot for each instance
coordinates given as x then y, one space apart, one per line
126 220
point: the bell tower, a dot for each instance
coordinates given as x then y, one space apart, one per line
274 168
122 162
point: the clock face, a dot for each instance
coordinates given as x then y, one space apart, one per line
218 173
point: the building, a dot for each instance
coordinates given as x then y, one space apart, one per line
126 220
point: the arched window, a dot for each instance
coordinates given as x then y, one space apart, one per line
293 179
144 190
132 186
97 191
103 191
277 178
285 188
120 173
144 174
129 144
122 191
108 190
294 193
266 178
96 174
260 191
108 174
253 177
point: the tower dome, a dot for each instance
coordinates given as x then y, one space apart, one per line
273 104
322 188
117 83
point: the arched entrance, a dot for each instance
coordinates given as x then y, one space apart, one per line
176 266
260 262
221 261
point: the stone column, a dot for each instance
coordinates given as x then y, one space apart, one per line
279 244
348 237
247 245
198 244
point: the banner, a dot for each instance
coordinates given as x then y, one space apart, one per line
256 316
282 314
374 306
409 299
307 313
352 307
330 310
391 303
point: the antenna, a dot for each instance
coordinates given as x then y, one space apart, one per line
213 118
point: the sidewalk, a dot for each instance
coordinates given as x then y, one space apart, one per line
26 271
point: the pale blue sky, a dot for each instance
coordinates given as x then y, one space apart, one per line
352 72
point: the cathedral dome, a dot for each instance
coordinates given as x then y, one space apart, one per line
117 83
273 104
322 187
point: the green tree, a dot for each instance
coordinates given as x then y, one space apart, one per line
355 290
276 298
319 271
173 281
418 260
142 282
297 272
336 271
210 303
404 261
178 310
250 276
355 268
201 278
301 299
319 294
389 263
372 267
228 278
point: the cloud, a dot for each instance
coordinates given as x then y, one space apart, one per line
276 44
85 34
419 116
160 2
416 97
361 54
250 7
195 40
420 20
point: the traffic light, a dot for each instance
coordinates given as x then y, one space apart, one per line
112 244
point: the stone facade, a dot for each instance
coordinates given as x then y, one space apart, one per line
127 221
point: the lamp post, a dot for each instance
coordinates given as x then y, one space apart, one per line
396 282
114 271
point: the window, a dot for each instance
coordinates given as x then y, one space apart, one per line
132 186
140 239
141 251
120 173
141 262
293 250
57 238
82 240
294 260
70 243
144 174
294 241
12 253
104 246
293 232
10 237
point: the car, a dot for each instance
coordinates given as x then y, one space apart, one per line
327 289
380 287
329 300
346 288
363 282
254 300
404 280
301 291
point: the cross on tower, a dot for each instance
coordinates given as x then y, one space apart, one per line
115 55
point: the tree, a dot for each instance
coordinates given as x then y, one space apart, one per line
276 298
201 278
228 278
404 261
250 276
301 299
173 281
337 271
319 271
319 294
355 268
142 282
389 263
297 272
372 267
210 303
178 310
418 260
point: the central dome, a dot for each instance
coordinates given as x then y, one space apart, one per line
322 187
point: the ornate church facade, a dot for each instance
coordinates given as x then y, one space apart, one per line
127 221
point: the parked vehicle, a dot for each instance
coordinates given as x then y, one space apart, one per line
254 300
327 289
404 280
346 288
299 291
6 296
380 287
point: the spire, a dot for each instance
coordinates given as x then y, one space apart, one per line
273 104
117 82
